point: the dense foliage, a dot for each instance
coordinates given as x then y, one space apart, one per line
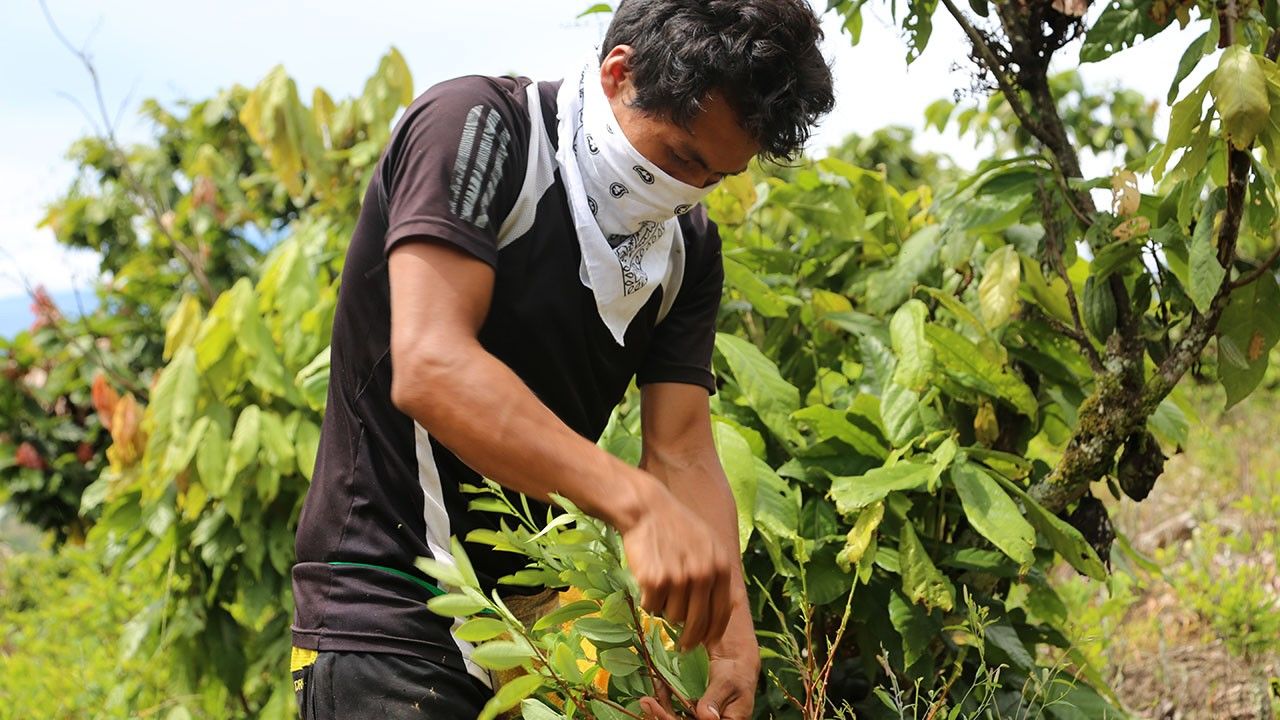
926 371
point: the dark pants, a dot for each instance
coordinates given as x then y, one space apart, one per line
382 686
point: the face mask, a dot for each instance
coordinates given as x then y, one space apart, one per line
623 206
625 189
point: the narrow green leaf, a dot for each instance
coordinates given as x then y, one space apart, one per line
509 695
1066 540
455 605
993 513
566 613
855 492
480 629
1207 273
766 392
828 423
964 363
621 661
740 470
915 354
498 654
921 580
1190 58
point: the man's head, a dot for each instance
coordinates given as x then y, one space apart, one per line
702 86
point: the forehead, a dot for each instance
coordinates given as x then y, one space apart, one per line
717 135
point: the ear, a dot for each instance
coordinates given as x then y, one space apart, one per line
615 71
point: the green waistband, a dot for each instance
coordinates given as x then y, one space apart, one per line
434 590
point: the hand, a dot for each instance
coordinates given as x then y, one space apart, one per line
735 668
731 687
683 569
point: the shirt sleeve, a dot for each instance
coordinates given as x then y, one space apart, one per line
453 168
683 342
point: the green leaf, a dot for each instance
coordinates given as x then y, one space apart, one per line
913 625
998 290
455 605
183 326
1117 28
1048 294
621 661
245 440
766 392
754 290
1249 328
1207 273
536 710
480 629
855 492
921 580
509 695
599 630
828 423
1190 58
915 354
597 8
993 513
740 470
498 654
1240 93
566 613
306 442
1183 120
1066 540
964 363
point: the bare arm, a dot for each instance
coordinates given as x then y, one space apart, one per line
480 409
477 406
680 451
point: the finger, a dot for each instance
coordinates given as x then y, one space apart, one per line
677 608
654 596
653 710
737 708
699 618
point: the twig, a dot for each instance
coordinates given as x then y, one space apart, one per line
1258 271
109 136
654 673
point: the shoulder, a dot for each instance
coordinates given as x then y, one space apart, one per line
476 104
701 238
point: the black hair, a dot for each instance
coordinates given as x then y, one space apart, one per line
761 54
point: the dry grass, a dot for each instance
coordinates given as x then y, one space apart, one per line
1193 639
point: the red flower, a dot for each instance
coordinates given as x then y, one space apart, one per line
84 453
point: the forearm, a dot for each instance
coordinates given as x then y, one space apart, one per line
698 481
480 409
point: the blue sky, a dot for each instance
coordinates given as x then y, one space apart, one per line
168 50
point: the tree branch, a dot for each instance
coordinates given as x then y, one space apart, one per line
149 202
1257 272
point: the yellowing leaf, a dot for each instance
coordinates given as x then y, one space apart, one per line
998 291
183 325
1239 90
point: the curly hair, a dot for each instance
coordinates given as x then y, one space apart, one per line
761 54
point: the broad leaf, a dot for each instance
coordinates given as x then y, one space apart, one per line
993 513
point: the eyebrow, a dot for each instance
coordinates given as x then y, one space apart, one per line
693 153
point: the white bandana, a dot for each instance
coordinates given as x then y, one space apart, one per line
623 205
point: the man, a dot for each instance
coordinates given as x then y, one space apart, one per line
524 251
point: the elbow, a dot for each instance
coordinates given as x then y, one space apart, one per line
422 372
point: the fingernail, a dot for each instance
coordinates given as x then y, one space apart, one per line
714 710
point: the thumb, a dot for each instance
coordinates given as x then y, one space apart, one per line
714 700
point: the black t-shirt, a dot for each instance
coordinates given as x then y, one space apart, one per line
384 492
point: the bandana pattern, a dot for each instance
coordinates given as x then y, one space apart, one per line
624 207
